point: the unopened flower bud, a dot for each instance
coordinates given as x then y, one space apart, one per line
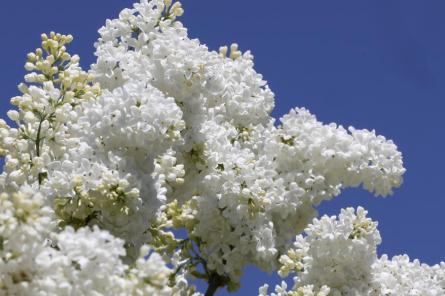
75 59
65 56
176 9
69 38
168 3
23 88
29 66
15 100
31 57
223 51
13 115
50 59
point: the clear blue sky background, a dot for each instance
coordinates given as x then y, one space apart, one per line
371 64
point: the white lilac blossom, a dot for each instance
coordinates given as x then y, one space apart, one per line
35 259
253 184
162 134
340 254
281 290
56 177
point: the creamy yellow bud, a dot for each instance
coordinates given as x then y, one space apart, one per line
15 101
31 77
50 59
66 81
234 52
69 38
46 64
13 115
65 56
176 9
175 5
223 51
41 78
31 57
168 3
77 181
235 55
44 37
53 43
23 88
75 59
39 65
29 66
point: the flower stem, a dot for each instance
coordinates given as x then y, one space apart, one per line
215 281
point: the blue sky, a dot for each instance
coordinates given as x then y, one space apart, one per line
370 64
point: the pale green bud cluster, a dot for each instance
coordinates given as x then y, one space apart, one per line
291 262
53 63
85 207
55 86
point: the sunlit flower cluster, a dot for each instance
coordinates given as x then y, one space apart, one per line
102 169
339 255
253 184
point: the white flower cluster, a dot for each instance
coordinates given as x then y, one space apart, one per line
254 185
339 255
281 290
56 177
55 87
163 133
37 260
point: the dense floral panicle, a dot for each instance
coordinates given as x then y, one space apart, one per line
54 89
177 136
340 253
253 184
400 276
24 221
58 148
121 136
36 260
336 157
